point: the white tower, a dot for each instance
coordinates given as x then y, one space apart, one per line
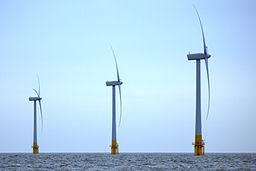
199 144
35 99
114 145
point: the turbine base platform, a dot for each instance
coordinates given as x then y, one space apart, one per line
199 146
114 147
35 148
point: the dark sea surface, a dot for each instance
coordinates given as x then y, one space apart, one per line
127 161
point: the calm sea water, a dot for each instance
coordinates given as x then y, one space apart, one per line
126 161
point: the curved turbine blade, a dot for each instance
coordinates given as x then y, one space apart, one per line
205 47
38 85
119 86
118 79
41 112
207 71
36 92
120 105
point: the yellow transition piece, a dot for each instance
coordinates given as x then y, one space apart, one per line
198 146
35 148
114 147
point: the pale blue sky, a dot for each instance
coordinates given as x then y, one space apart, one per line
67 44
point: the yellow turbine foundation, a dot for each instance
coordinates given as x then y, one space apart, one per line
114 147
35 148
198 146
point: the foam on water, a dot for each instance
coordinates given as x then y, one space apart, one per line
126 161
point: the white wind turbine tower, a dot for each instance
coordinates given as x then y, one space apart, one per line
199 144
114 145
35 99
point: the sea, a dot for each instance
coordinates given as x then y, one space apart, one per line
127 161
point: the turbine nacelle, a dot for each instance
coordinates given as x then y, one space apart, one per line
34 98
196 56
113 83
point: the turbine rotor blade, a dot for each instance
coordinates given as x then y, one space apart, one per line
38 85
207 71
119 86
206 61
205 47
41 112
36 92
120 105
118 79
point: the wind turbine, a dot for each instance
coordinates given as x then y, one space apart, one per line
199 143
114 145
35 99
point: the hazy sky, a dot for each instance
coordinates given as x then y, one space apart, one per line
67 44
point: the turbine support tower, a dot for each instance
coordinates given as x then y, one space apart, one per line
114 145
199 144
35 146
